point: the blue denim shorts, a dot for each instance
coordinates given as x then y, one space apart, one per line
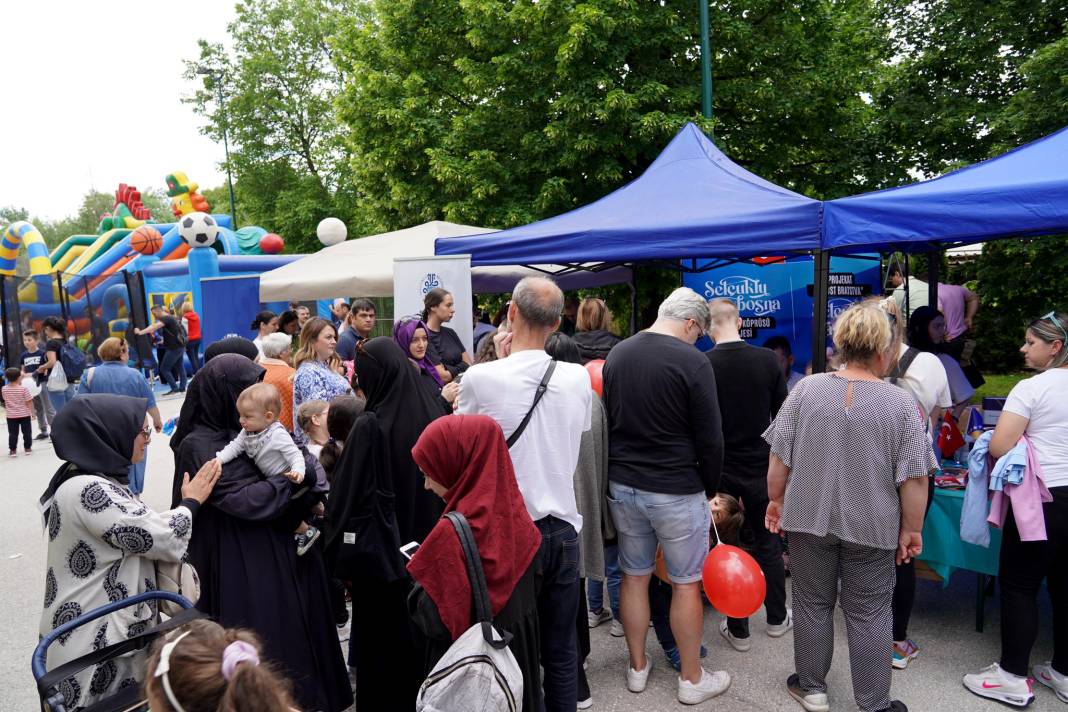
678 523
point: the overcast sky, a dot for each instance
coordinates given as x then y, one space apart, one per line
91 93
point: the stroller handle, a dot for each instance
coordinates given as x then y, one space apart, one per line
40 653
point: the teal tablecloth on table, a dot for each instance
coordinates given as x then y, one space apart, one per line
943 549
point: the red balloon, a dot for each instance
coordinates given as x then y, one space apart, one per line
594 368
272 244
734 583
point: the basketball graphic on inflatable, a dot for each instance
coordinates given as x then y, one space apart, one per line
146 240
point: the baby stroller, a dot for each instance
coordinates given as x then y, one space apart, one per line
129 699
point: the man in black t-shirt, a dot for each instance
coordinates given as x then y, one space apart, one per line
751 386
665 455
173 348
31 359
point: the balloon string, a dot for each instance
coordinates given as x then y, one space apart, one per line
714 529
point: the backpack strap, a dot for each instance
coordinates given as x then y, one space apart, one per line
89 377
477 578
542 387
902 365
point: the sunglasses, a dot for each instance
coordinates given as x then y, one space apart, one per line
1052 316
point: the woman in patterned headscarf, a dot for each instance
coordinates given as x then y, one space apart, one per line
102 542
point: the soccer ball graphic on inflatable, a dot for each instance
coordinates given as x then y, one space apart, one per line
198 229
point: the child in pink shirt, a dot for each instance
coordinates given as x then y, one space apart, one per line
19 405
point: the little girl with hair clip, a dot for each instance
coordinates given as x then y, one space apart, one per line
207 667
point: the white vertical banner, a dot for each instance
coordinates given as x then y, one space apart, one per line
413 277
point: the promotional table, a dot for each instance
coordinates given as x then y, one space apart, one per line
944 552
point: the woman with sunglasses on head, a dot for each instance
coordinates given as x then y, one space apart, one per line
102 542
113 375
1037 408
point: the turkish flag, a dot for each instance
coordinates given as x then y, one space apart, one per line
949 438
768 260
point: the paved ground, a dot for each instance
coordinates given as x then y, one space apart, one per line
942 624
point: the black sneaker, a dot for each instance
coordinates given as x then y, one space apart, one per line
896 706
42 436
305 540
172 392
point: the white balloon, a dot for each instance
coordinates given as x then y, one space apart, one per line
331 231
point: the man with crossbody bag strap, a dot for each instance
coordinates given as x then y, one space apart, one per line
543 407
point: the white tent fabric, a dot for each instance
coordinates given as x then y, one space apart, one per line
364 267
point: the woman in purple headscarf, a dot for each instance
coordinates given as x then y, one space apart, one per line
410 333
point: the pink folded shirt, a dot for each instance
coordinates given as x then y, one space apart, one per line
1027 499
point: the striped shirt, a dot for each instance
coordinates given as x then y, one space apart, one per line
17 400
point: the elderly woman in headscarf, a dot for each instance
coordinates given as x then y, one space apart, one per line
465 461
378 489
250 574
102 542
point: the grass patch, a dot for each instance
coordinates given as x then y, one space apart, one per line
999 384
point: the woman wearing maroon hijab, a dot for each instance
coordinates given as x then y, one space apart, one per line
465 461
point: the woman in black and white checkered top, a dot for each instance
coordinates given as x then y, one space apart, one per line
848 481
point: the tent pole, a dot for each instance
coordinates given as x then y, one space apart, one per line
934 259
821 271
706 63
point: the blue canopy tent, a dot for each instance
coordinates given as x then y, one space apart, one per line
692 202
1022 193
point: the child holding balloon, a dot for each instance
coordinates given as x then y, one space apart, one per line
727 516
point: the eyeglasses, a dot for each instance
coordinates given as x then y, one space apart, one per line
1052 316
147 432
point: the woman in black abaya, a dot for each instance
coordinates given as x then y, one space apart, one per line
378 503
251 576
404 408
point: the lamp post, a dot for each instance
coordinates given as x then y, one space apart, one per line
216 77
706 63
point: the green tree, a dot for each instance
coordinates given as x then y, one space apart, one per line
960 64
279 84
499 112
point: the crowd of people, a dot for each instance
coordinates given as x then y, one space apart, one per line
318 469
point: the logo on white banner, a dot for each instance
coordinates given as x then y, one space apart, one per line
751 295
431 281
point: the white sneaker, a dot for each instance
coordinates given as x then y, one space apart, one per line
778 631
1045 674
711 684
638 679
617 629
596 619
811 701
996 684
742 645
585 704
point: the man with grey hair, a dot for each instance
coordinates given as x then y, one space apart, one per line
553 399
751 386
665 453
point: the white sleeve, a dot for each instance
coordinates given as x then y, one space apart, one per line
1021 399
283 443
467 401
231 451
588 408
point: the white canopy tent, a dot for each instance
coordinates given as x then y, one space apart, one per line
364 267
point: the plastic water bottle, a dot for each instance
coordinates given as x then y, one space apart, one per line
170 425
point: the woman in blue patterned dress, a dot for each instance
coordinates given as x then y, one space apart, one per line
102 542
315 378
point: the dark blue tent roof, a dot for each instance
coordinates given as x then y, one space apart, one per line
692 201
1018 194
